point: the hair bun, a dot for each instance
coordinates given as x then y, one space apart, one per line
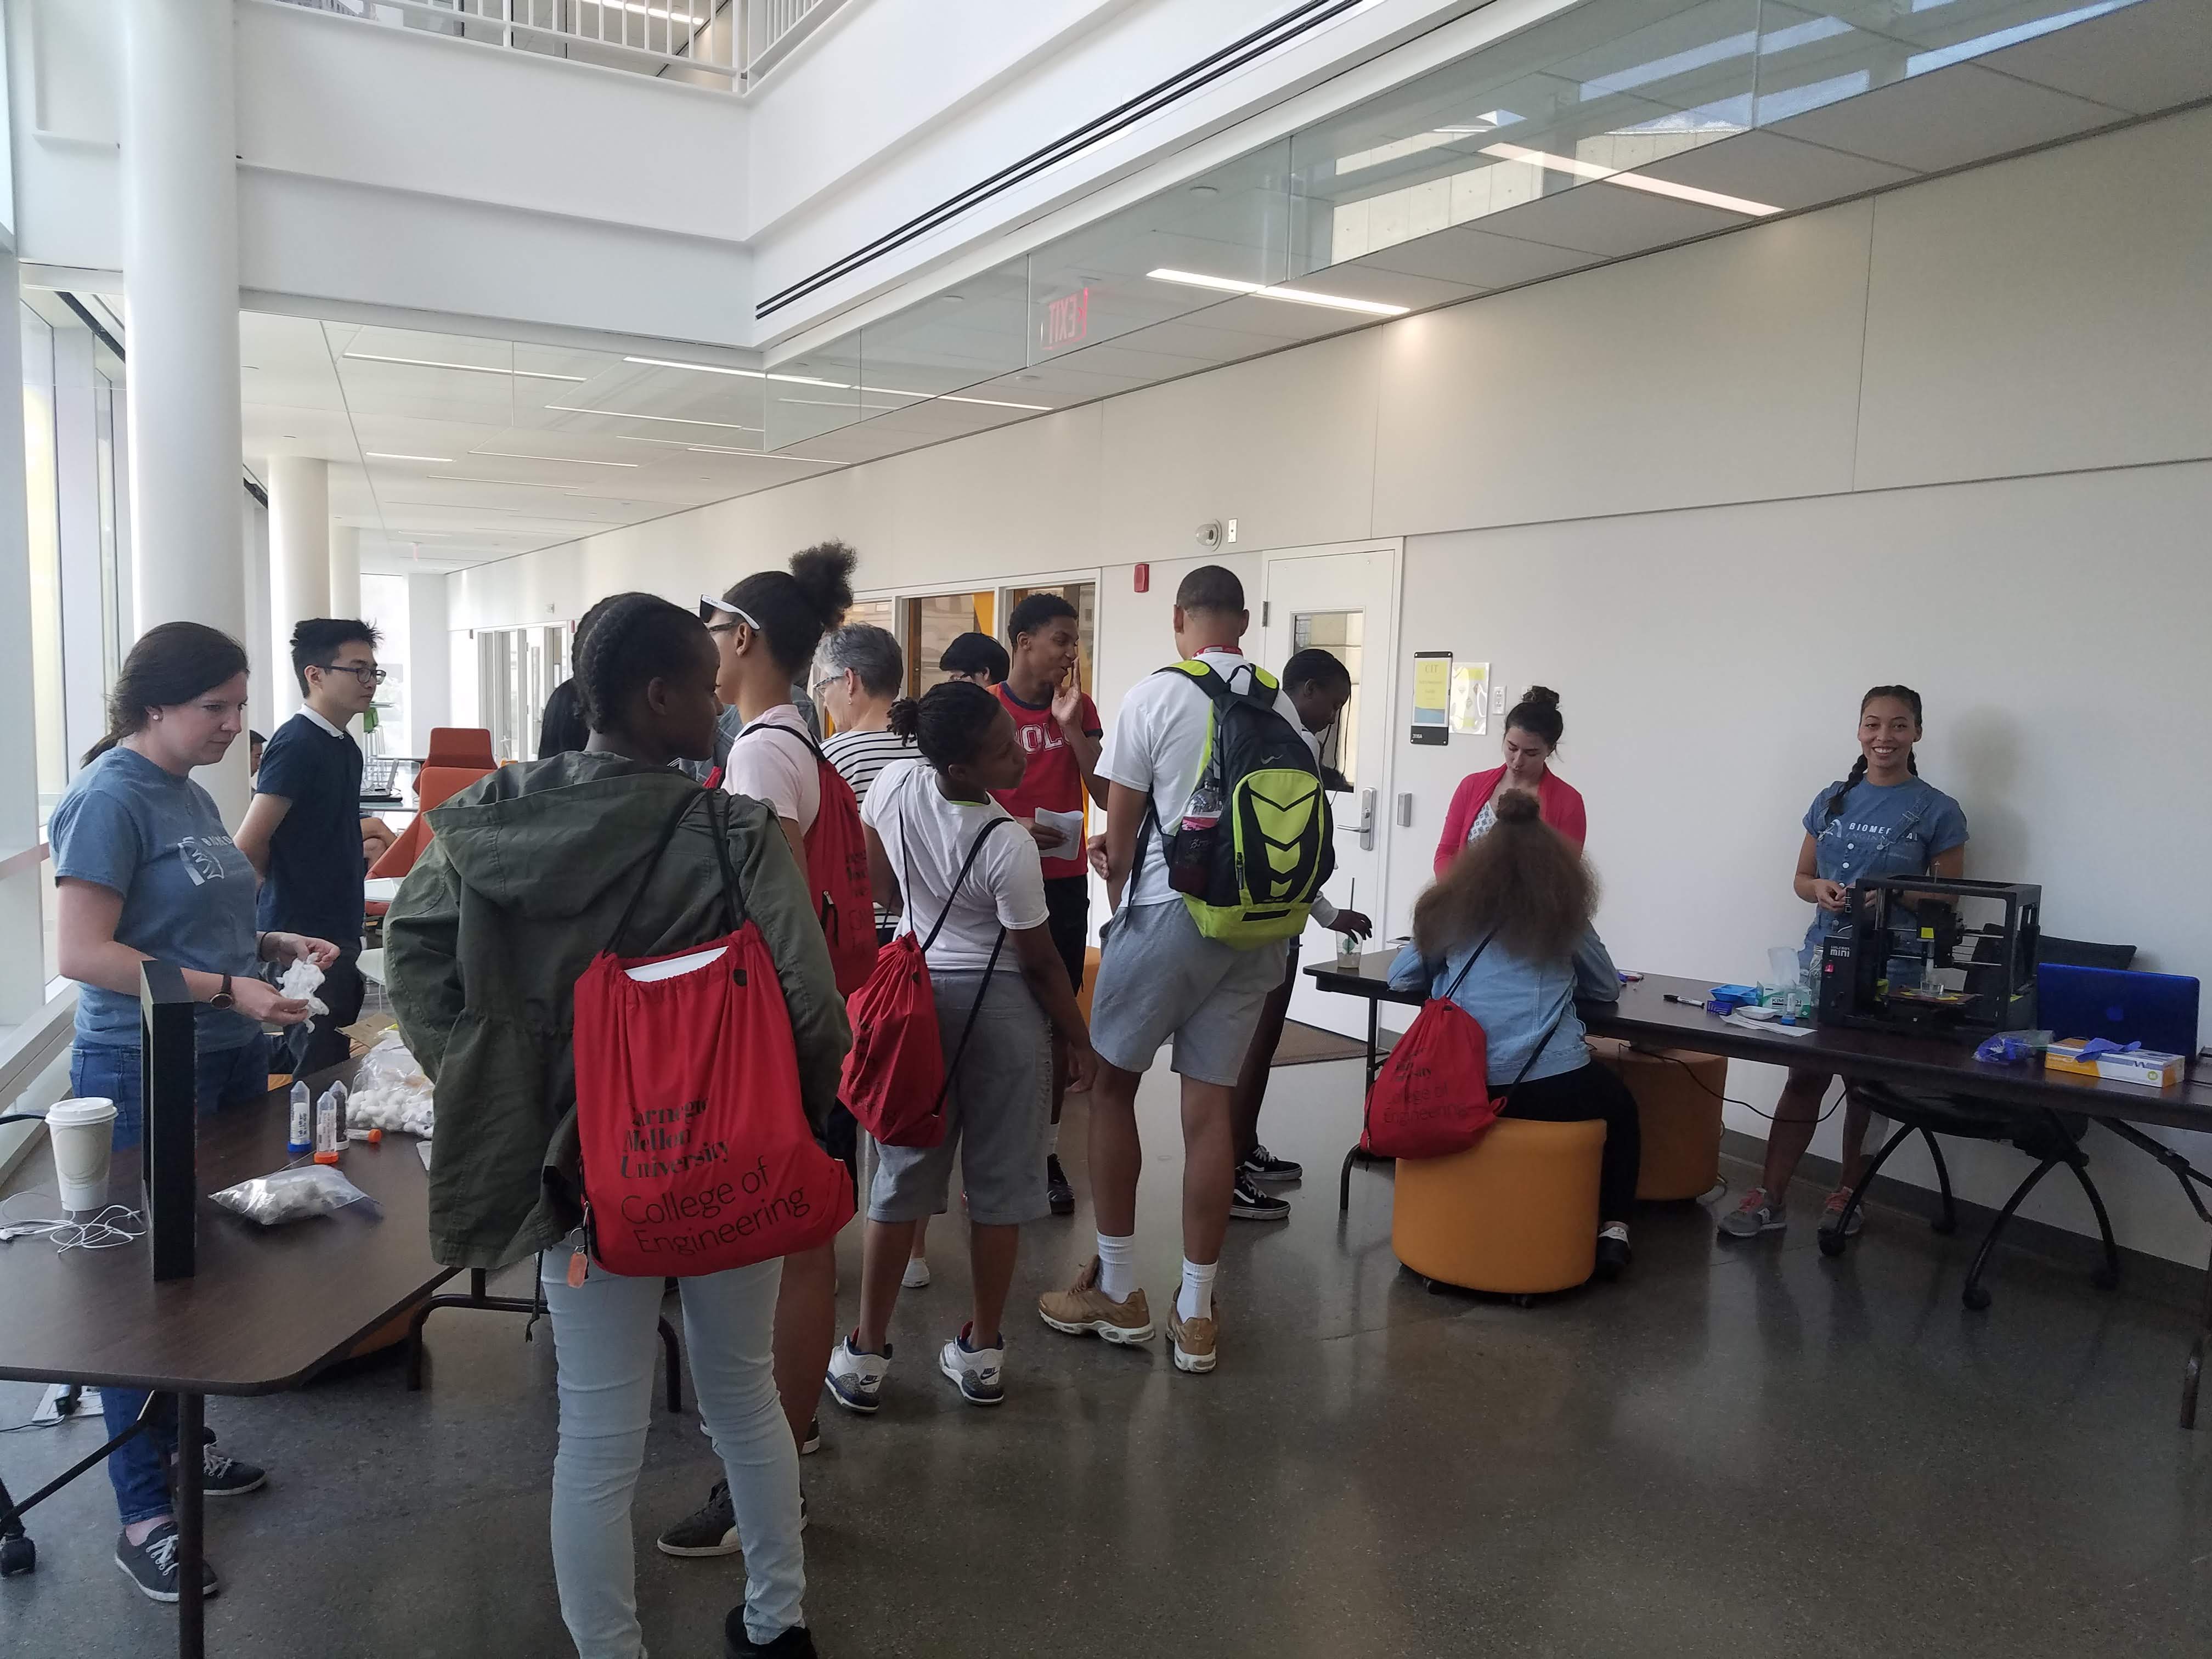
1514 806
1542 696
825 576
904 721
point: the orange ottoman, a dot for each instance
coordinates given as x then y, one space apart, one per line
1517 1214
1677 1104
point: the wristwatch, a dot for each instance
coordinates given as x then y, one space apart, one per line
222 998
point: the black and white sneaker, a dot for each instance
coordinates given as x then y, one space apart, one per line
812 1443
1262 1165
1057 1193
224 1477
1249 1203
711 1529
1612 1252
152 1565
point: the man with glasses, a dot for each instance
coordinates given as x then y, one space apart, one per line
304 831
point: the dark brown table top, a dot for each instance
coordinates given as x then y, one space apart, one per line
1643 1015
269 1307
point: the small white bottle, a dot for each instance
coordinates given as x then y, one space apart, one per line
302 1139
328 1141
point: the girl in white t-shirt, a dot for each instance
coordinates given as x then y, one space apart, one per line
924 819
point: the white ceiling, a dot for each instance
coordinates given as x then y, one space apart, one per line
527 446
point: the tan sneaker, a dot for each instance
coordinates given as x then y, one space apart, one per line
1193 1340
1084 1309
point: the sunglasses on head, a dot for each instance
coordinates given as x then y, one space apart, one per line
717 614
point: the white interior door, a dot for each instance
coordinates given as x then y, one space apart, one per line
1345 601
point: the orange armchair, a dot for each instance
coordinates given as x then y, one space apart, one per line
459 756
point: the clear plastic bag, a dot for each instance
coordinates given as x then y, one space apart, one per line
390 1091
293 1194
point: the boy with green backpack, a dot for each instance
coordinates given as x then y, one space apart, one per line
1216 844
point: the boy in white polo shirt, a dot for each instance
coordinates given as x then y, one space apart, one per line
1159 978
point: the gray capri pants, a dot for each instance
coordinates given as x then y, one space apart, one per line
998 1112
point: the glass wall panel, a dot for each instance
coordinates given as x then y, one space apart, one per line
43 483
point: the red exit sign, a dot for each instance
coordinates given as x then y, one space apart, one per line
1067 321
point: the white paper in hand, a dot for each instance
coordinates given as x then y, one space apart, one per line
1068 826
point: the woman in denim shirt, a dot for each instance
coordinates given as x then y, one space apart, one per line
1505 933
1882 820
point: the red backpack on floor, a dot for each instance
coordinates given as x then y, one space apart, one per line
1432 1097
837 870
697 1154
896 1078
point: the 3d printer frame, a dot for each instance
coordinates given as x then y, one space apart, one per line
1986 973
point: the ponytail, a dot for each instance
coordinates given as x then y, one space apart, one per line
171 664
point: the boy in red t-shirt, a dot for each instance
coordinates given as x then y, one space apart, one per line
1059 727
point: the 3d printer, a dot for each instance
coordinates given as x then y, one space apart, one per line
1932 956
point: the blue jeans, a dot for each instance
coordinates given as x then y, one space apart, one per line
227 1078
605 1346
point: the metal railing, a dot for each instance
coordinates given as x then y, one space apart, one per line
725 42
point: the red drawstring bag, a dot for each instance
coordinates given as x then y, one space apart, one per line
895 1078
1432 1098
697 1155
837 870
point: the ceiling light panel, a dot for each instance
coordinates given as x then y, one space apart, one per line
1302 296
563 460
465 368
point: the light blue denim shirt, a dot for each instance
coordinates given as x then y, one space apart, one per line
1516 1000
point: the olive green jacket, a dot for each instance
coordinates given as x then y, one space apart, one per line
524 882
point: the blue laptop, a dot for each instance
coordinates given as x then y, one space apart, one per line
2156 1010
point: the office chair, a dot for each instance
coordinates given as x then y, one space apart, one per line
2049 1136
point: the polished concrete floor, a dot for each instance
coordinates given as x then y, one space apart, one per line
1737 1451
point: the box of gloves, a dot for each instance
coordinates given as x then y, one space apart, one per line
2095 1057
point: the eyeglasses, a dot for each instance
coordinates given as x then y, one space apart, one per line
362 671
711 607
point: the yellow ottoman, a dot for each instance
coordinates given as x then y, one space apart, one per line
1677 1104
1516 1215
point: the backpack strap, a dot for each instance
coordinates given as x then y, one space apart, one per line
975 846
990 968
1534 1054
1451 991
660 848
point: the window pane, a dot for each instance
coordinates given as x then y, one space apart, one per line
1341 634
44 501
933 622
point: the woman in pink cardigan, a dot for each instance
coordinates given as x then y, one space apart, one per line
1532 732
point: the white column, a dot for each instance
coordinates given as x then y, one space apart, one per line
180 282
269 672
298 562
429 664
22 952
345 571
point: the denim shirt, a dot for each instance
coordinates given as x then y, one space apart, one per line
1894 829
1516 1000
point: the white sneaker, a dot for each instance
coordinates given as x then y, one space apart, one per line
856 1380
978 1373
917 1272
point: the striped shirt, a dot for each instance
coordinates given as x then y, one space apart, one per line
858 756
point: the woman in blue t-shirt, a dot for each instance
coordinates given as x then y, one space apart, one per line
144 871
1882 820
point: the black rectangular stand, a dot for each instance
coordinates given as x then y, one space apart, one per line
169 1091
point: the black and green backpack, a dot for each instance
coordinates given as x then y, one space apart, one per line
1257 874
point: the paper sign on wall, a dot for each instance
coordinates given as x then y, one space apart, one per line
1470 699
1432 697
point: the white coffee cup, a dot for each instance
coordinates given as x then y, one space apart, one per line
83 1134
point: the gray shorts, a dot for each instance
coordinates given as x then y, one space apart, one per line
997 1113
1158 977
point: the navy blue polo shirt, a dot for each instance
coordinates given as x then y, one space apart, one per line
316 865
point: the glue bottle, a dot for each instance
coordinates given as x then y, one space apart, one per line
302 1139
328 1140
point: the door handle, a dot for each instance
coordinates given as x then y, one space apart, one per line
1367 820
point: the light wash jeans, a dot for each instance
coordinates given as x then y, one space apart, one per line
605 1337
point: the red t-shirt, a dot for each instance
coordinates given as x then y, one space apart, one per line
1054 781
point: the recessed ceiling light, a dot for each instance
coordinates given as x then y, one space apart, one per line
631 415
564 460
1204 190
469 368
953 299
517 483
1301 296
1578 168
386 455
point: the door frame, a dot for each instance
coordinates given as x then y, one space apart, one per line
1382 681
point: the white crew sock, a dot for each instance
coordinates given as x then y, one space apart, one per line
1117 1267
1195 1299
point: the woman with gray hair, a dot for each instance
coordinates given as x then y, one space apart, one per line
859 672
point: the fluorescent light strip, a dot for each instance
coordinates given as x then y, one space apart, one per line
761 455
565 460
948 397
672 420
1296 295
472 368
385 455
658 13
517 484
1581 169
742 373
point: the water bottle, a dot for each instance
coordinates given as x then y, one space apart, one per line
302 1139
1191 863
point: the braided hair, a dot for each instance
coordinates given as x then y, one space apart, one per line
635 639
949 724
796 607
1910 699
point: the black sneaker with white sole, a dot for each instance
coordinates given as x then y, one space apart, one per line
152 1565
1262 1165
712 1528
1248 1203
1057 1193
225 1477
738 1641
812 1443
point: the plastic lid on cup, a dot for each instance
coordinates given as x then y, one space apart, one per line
67 1114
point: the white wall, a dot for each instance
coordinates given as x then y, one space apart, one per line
1955 435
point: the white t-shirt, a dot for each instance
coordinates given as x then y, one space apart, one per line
779 770
1158 743
927 838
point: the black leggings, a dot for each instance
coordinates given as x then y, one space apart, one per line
1591 1092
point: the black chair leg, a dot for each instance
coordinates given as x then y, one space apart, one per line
1344 1182
1834 1239
17 1553
1948 1222
2108 1276
1974 1295
675 1366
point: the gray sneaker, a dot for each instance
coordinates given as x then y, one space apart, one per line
1758 1213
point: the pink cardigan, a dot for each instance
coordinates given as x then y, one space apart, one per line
1558 802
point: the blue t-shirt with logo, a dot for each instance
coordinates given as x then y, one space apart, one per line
1880 829
188 893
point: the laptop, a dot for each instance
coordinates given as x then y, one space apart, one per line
2156 1010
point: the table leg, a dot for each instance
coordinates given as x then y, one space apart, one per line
191 1461
2192 1373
